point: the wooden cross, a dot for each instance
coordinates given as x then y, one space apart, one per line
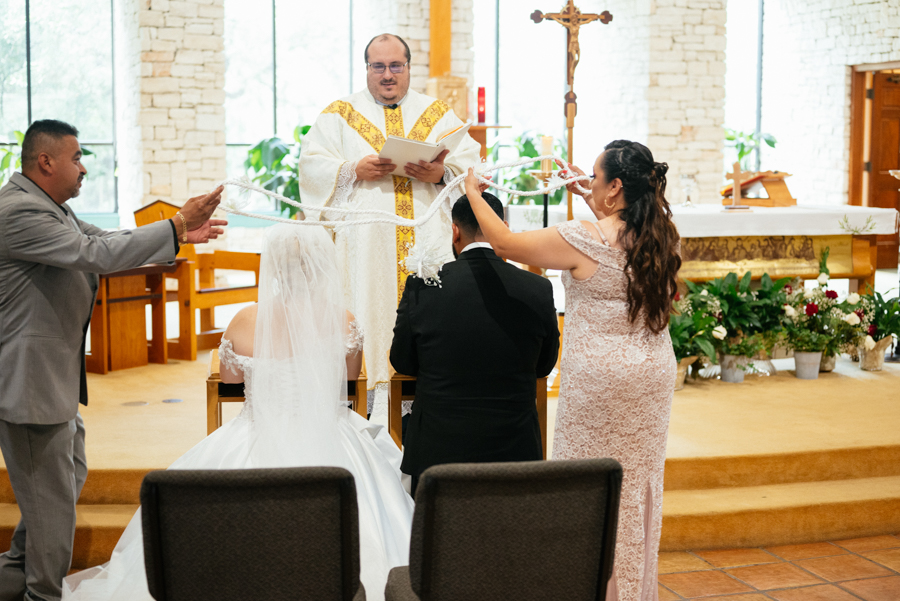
572 19
738 176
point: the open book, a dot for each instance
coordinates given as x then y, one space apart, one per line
402 150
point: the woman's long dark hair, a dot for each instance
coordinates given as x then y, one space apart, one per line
649 236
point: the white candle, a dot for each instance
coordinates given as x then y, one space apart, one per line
546 148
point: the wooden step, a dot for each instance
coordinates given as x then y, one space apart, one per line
694 473
102 487
97 530
779 514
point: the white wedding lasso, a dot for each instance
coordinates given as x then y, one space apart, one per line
421 260
379 216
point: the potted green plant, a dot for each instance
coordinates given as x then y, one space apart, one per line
737 333
808 320
11 158
691 334
879 323
273 164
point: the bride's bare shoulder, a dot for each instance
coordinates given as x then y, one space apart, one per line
242 329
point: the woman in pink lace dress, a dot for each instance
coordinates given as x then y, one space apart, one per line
618 367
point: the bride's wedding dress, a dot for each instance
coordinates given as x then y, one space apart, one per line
295 414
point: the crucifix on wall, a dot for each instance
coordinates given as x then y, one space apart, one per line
572 19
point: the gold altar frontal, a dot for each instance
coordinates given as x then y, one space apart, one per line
850 256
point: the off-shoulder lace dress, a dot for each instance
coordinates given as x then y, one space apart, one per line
614 401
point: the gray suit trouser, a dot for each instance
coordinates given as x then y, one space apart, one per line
47 468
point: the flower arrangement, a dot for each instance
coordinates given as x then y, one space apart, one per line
691 331
879 318
809 314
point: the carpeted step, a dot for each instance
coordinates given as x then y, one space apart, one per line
97 529
102 487
695 473
777 514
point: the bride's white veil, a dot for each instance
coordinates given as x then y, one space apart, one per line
299 381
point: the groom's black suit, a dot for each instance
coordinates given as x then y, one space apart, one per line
476 345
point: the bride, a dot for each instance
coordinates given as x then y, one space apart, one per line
292 351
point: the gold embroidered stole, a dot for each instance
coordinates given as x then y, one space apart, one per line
403 195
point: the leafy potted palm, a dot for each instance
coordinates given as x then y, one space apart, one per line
879 323
738 334
691 334
273 164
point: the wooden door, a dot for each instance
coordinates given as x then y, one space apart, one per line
885 155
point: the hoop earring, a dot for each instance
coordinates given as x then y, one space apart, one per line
606 202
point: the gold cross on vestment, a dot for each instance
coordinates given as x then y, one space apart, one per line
572 19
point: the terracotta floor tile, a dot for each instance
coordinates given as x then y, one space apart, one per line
728 558
772 576
843 567
870 543
667 595
875 589
825 592
679 561
807 551
703 584
747 597
889 558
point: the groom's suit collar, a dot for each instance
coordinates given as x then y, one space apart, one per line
473 254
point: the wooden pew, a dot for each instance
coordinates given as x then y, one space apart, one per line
218 392
403 388
196 279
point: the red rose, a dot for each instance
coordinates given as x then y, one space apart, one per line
872 330
788 288
678 296
812 309
859 313
830 294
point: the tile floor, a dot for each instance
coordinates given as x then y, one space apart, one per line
866 569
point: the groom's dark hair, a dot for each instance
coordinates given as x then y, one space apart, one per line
464 217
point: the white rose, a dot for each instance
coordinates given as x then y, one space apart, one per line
809 293
822 279
719 332
852 319
704 292
870 343
790 311
853 298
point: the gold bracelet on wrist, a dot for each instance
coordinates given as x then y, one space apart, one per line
184 230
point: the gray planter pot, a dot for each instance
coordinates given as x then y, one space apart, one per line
807 364
731 368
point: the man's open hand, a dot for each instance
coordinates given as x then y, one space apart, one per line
199 209
206 231
371 168
432 172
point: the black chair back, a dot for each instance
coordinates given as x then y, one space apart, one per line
526 531
251 534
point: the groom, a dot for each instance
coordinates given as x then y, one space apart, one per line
477 345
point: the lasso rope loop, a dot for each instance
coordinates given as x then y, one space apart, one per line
379 216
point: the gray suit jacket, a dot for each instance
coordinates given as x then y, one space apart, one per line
48 285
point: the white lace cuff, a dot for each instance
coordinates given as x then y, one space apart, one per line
344 187
355 338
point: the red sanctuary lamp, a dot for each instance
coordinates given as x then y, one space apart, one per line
481 105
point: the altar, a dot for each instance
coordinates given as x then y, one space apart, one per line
780 241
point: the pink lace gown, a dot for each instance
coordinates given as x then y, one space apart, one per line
615 397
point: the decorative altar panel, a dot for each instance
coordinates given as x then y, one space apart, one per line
782 241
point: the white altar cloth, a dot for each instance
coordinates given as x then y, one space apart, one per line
709 220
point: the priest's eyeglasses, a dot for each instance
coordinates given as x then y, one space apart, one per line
394 67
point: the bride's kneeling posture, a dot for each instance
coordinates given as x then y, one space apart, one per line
293 351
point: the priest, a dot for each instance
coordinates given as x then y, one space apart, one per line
339 167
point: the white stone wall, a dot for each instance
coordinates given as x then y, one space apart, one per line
809 49
182 96
413 25
686 92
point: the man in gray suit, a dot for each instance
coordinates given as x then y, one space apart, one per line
48 285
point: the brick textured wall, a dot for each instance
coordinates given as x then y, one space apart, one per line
810 47
182 96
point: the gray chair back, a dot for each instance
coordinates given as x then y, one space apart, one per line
251 534
532 530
